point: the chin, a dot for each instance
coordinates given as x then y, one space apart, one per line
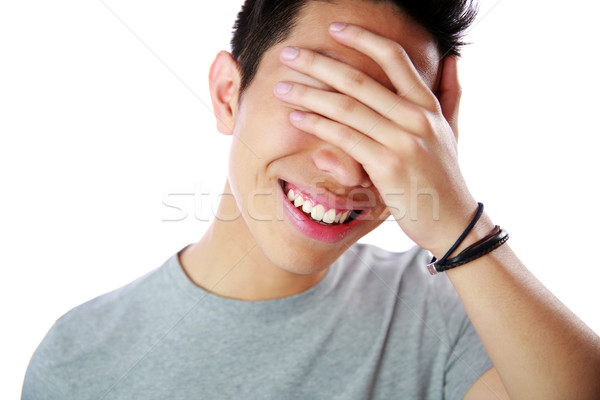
306 258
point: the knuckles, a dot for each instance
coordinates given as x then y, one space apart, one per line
420 118
345 134
345 105
354 78
434 104
392 165
410 148
416 114
429 125
395 52
406 159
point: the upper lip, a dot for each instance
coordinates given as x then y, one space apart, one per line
329 199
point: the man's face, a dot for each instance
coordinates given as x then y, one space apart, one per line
272 157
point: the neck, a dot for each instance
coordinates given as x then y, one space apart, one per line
228 262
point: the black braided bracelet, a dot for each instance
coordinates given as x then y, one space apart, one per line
478 249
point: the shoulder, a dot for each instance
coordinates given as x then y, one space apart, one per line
95 319
90 336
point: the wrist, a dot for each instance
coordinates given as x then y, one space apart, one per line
481 229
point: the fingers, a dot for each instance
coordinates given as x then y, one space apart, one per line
362 106
391 57
358 146
338 107
345 79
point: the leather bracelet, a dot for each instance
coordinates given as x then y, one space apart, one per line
462 237
478 249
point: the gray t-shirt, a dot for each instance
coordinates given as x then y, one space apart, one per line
377 326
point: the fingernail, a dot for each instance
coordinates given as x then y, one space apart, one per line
289 53
283 87
337 26
297 115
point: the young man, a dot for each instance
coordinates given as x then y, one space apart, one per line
343 112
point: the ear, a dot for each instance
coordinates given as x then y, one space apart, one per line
449 92
223 83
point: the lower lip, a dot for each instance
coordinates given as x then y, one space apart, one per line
314 230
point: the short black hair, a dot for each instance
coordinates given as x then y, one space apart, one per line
262 24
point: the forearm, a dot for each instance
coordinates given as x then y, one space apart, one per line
539 347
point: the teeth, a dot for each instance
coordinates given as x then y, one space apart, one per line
298 202
329 216
292 196
344 217
317 212
337 217
307 207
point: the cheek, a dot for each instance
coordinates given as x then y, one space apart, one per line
264 131
277 132
294 138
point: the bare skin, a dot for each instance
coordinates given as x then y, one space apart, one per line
384 114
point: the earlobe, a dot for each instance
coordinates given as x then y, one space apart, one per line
223 82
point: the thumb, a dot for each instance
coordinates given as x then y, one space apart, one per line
449 92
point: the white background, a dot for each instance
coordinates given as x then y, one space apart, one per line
103 115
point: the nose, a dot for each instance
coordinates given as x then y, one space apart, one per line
343 168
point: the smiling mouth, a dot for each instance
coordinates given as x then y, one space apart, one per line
315 211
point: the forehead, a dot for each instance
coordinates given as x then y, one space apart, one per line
385 19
